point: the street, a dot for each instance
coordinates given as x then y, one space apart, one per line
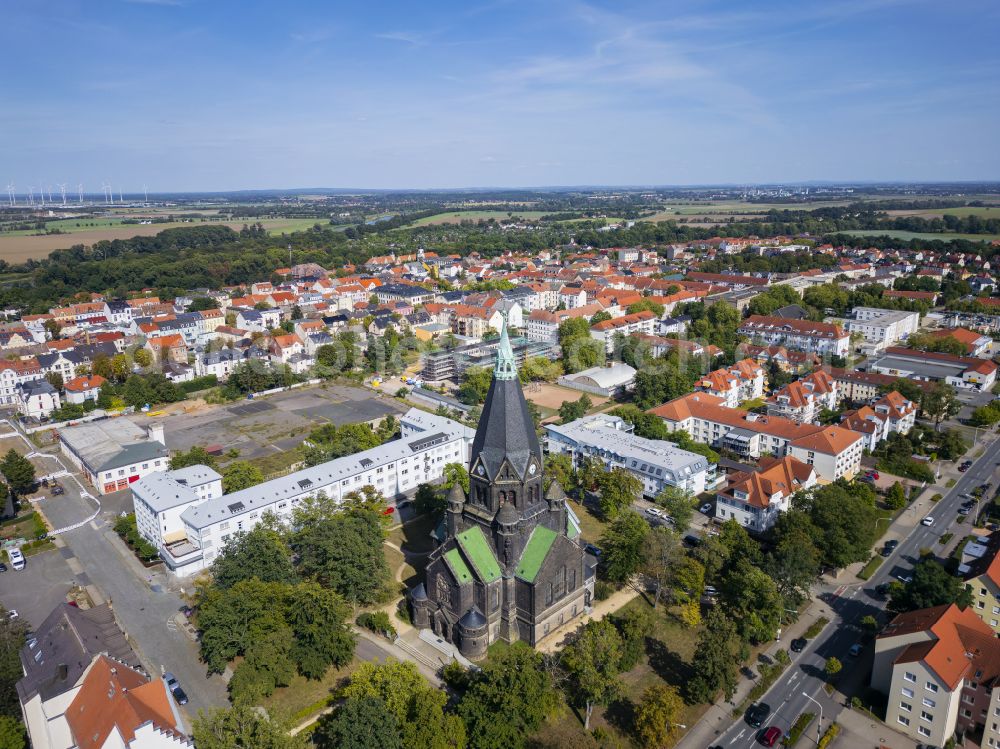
800 688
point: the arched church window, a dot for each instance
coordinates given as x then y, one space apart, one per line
503 497
512 497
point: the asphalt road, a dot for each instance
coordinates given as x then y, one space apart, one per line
802 682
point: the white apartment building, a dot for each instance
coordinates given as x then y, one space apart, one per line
17 372
637 323
816 337
656 463
193 524
883 327
756 499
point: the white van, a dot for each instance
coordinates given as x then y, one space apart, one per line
16 559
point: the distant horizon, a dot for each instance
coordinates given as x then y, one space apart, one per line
198 96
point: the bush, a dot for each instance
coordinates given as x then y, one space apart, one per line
378 622
781 656
936 498
603 590
831 733
798 728
199 383
816 627
403 611
129 532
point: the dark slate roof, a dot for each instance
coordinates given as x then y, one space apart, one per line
419 593
473 619
505 430
62 648
792 312
135 453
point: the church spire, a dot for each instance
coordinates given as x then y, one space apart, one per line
506 366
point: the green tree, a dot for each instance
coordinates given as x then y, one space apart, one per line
794 561
359 723
507 700
844 516
715 664
645 305
679 504
243 727
657 715
751 599
619 489
18 471
600 317
453 473
909 389
429 725
661 552
559 467
320 624
475 385
932 585
142 357
121 367
429 500
240 475
197 455
573 410
592 663
895 498
941 403
12 734
622 546
345 552
259 553
12 636
832 667
55 380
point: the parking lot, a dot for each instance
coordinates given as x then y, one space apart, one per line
39 587
274 423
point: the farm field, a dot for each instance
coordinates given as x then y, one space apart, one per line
20 246
456 217
991 211
907 235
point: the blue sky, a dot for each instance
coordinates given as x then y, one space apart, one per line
218 95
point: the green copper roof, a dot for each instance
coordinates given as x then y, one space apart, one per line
476 548
535 552
506 366
458 566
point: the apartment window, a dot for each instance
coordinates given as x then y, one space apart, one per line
923 731
907 692
928 702
904 720
906 706
907 676
931 686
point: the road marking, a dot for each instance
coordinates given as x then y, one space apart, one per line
737 737
171 624
794 677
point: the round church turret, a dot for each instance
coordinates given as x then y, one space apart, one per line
473 631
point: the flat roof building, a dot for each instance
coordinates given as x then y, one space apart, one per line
112 453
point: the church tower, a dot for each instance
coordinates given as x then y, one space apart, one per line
512 565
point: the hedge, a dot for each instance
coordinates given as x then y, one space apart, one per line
796 731
199 383
831 733
129 532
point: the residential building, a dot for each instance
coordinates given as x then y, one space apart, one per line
756 498
882 327
609 439
937 666
803 400
976 344
393 292
113 453
834 451
982 580
36 399
194 521
638 322
83 388
743 381
815 337
222 362
15 372
544 326
859 387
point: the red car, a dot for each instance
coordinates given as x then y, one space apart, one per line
770 736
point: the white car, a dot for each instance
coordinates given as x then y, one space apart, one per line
653 512
16 559
706 508
929 520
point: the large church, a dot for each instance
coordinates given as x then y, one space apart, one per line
512 565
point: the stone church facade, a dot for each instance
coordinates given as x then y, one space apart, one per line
512 565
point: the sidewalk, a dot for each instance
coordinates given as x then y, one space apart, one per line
719 716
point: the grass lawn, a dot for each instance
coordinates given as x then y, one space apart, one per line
592 527
754 403
899 234
304 697
277 462
415 535
869 569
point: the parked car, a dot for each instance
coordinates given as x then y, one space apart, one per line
882 589
873 474
706 508
175 688
3 567
855 650
57 488
799 644
757 714
653 512
889 546
770 736
16 559
593 550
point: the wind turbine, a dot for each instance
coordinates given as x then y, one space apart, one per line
145 195
62 189
31 195
48 189
104 189
79 188
10 194
120 198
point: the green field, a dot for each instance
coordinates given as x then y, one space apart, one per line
76 225
987 211
456 217
907 235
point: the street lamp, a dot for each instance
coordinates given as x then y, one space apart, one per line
819 726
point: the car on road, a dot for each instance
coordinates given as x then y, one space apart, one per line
175 688
855 650
928 521
872 475
16 559
594 551
653 512
882 589
757 714
889 547
706 508
799 644
905 579
770 736
3 567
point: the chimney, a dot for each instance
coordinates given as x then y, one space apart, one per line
155 433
